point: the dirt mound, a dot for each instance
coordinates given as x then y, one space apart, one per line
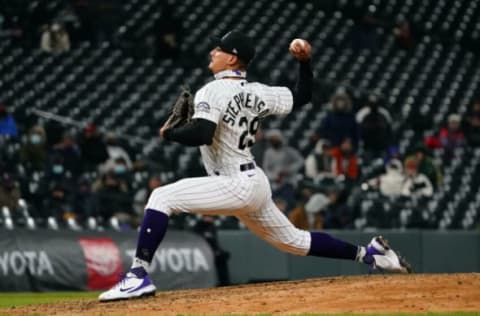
359 294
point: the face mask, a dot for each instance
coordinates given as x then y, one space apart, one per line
35 139
57 169
120 169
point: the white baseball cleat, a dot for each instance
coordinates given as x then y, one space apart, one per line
136 283
379 255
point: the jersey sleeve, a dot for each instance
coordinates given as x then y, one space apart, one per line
279 100
207 104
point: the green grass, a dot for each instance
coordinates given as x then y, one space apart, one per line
8 300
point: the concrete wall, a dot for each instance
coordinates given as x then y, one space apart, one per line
254 260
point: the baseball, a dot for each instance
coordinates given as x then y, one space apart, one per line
298 44
300 49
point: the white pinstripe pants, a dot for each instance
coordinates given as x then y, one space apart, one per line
245 195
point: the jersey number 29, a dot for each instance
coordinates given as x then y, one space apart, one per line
247 138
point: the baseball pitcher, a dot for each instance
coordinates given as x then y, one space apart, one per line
226 114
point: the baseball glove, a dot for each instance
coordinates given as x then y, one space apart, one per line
182 110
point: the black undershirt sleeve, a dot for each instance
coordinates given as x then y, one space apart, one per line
196 133
302 92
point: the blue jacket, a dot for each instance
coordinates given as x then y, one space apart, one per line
338 126
8 126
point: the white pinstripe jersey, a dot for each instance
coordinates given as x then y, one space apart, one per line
236 106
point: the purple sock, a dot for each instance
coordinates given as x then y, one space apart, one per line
324 245
152 231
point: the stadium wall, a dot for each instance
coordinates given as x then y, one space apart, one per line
45 260
253 260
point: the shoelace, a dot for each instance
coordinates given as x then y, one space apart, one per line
123 278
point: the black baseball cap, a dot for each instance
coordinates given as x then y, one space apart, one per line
236 43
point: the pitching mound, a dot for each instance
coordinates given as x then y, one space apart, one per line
359 294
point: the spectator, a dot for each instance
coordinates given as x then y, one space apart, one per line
451 137
112 200
55 39
319 162
281 163
69 152
93 149
373 103
390 183
472 125
84 200
364 31
9 193
393 152
57 204
121 171
404 33
33 153
345 161
55 173
426 165
8 126
340 122
205 227
416 184
141 196
375 128
337 214
309 217
115 150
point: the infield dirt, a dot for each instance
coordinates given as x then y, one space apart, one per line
417 293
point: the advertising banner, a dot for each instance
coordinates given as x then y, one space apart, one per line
44 260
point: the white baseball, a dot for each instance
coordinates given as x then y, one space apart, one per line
298 43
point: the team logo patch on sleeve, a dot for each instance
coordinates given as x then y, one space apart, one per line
203 107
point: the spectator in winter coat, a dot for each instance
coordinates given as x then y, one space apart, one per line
9 192
426 165
115 151
55 39
8 127
337 214
70 154
309 217
93 149
390 183
375 129
113 199
340 122
319 162
33 153
416 184
344 160
281 162
451 137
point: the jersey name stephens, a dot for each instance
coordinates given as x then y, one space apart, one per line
242 100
